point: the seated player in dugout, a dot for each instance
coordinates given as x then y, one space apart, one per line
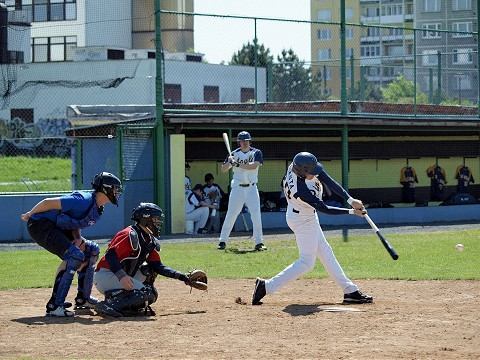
408 178
197 209
438 182
213 196
126 273
464 178
55 224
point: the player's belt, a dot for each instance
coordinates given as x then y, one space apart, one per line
298 211
246 185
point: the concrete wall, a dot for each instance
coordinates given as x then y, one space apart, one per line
13 229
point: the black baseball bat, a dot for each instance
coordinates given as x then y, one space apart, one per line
384 241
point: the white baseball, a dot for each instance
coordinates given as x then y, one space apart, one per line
459 247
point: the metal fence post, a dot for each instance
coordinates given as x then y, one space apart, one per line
159 140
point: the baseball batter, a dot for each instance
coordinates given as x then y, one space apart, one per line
245 162
302 186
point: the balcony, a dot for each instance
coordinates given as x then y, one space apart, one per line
20 17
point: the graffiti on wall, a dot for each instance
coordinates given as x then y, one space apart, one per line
44 137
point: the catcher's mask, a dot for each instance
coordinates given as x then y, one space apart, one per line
305 163
108 184
150 216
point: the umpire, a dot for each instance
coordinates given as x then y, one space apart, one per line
55 223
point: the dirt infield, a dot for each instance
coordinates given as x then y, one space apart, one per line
409 320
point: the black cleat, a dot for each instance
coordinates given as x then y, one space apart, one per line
260 247
104 309
357 297
221 245
259 292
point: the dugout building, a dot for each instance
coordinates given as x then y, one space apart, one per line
373 147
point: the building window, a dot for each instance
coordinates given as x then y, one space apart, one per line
462 82
172 93
348 13
349 53
373 31
461 4
370 11
247 94
428 33
430 57
57 48
348 32
211 94
395 32
462 26
51 10
324 54
462 56
324 34
25 114
327 74
13 4
431 5
370 51
393 9
324 15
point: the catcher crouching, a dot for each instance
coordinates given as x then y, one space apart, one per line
126 274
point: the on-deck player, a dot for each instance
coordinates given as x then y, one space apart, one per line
245 162
303 189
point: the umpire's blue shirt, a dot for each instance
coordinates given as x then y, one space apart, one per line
76 205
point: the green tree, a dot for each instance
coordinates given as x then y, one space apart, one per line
293 81
246 55
402 90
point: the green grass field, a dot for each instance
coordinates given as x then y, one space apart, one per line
423 256
24 173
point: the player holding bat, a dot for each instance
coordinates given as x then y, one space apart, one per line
303 188
245 162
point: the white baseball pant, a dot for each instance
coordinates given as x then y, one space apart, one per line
311 245
199 216
240 196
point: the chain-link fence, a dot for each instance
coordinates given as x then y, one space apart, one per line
71 52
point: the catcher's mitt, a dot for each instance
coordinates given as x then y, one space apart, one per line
197 279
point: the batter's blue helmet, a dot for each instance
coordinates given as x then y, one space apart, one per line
244 135
305 163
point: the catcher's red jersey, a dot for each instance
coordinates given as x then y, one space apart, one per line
127 246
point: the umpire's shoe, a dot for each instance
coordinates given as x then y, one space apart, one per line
260 247
259 292
221 245
60 311
357 297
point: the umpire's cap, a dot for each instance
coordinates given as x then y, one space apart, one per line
305 163
244 135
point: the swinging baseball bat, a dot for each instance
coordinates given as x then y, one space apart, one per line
384 241
227 143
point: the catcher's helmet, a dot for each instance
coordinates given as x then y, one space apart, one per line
244 135
305 163
108 184
150 216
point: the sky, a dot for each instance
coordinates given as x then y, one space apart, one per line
220 38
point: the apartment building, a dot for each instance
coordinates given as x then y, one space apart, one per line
59 26
325 42
379 54
453 55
